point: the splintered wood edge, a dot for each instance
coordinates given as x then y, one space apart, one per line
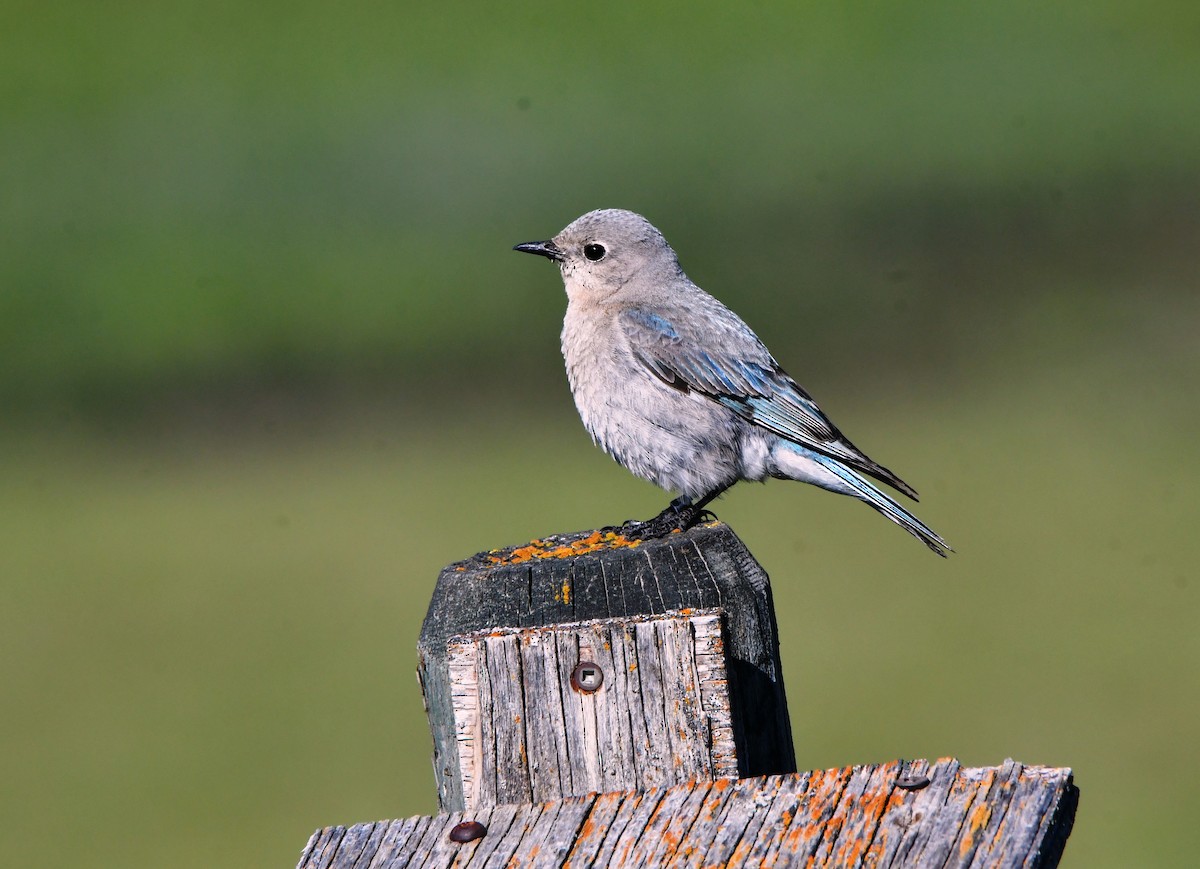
886 815
463 662
707 652
685 613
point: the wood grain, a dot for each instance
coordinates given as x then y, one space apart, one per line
660 717
1005 816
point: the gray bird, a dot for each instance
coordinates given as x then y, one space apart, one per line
679 390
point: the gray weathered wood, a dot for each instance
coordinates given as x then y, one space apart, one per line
683 631
660 717
469 680
1007 816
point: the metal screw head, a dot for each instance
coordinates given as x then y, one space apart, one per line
587 677
467 831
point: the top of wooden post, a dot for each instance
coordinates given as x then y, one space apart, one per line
517 621
588 575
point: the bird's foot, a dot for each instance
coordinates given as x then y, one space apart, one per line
679 516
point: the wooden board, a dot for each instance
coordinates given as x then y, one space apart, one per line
661 715
889 815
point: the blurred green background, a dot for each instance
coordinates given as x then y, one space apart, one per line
267 363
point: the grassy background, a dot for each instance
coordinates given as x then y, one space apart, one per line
267 363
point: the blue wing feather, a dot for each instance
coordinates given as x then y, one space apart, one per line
743 377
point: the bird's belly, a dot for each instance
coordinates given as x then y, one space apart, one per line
679 441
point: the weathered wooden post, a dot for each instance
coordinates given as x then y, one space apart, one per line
595 701
682 638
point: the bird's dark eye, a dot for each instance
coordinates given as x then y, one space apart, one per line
594 252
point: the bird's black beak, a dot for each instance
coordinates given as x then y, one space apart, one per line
541 248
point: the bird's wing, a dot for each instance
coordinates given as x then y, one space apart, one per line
733 368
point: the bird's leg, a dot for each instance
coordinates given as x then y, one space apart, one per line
700 511
700 505
679 515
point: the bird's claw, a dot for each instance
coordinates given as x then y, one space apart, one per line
675 518
651 529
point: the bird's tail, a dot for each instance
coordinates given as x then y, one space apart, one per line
800 463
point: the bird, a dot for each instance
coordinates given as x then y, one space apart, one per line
676 387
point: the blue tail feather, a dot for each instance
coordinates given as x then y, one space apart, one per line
872 496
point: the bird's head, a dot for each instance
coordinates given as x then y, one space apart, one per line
606 251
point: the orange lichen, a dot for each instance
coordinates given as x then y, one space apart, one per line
874 802
851 852
977 820
558 547
552 548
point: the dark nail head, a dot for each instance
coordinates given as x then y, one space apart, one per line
467 831
912 782
587 677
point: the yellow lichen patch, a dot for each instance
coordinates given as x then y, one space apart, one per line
978 819
851 852
559 547
538 549
566 592
874 802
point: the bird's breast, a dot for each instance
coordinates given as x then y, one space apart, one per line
592 368
675 439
